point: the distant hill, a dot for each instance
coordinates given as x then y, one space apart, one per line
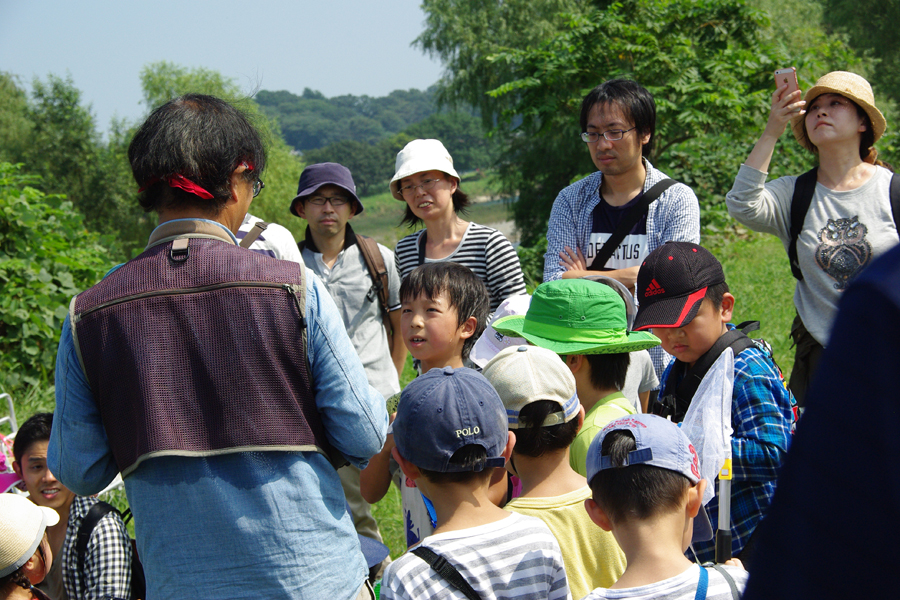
311 121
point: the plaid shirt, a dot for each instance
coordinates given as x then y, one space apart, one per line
107 561
761 416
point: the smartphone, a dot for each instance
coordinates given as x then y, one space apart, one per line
789 77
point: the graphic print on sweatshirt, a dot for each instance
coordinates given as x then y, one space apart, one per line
843 250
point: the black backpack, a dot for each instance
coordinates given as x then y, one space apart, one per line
88 523
804 189
675 398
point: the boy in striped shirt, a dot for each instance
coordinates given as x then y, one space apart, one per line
450 434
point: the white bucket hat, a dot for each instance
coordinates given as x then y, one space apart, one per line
22 525
418 156
492 341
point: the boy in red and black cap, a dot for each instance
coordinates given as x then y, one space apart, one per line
686 303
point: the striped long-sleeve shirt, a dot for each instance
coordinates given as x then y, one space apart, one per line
484 250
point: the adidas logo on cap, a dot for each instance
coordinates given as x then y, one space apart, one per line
653 289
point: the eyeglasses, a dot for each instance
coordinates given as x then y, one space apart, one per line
258 186
613 135
426 186
335 200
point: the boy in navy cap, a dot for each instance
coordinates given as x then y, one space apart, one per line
647 489
450 434
686 303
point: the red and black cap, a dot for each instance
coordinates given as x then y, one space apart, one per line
672 283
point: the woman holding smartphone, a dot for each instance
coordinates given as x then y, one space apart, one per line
849 221
425 179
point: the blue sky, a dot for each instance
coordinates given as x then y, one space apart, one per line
333 46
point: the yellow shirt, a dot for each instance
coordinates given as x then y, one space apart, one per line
608 409
591 556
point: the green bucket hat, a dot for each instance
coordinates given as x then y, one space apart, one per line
576 316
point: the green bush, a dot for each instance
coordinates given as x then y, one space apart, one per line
46 257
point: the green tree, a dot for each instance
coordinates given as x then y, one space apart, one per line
871 26
46 257
15 125
163 81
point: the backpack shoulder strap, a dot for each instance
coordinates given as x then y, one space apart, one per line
627 222
253 234
727 576
895 199
447 571
88 523
804 188
378 272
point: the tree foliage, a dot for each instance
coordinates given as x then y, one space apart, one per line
46 257
708 64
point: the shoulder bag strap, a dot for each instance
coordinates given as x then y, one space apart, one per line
627 222
88 523
254 233
804 188
734 591
447 571
378 272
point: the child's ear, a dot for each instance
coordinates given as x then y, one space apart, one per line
580 416
17 468
574 362
467 329
510 444
695 498
727 307
409 469
597 515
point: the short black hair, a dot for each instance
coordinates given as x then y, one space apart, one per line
469 457
715 293
608 371
464 290
201 138
636 491
35 429
460 205
633 99
534 440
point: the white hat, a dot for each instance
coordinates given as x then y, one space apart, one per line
492 341
22 525
526 374
418 156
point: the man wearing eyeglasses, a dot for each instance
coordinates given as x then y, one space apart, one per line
618 121
326 198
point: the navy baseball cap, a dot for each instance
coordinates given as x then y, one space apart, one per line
672 282
658 443
444 410
315 176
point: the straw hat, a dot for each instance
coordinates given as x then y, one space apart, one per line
419 156
22 525
849 85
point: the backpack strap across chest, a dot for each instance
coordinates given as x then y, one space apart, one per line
450 573
676 397
804 190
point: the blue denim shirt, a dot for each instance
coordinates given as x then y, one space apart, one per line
243 525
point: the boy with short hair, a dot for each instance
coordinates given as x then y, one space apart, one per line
538 391
685 301
450 433
444 307
586 323
107 559
647 490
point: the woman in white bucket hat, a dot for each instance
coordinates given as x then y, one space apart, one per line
425 179
849 220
